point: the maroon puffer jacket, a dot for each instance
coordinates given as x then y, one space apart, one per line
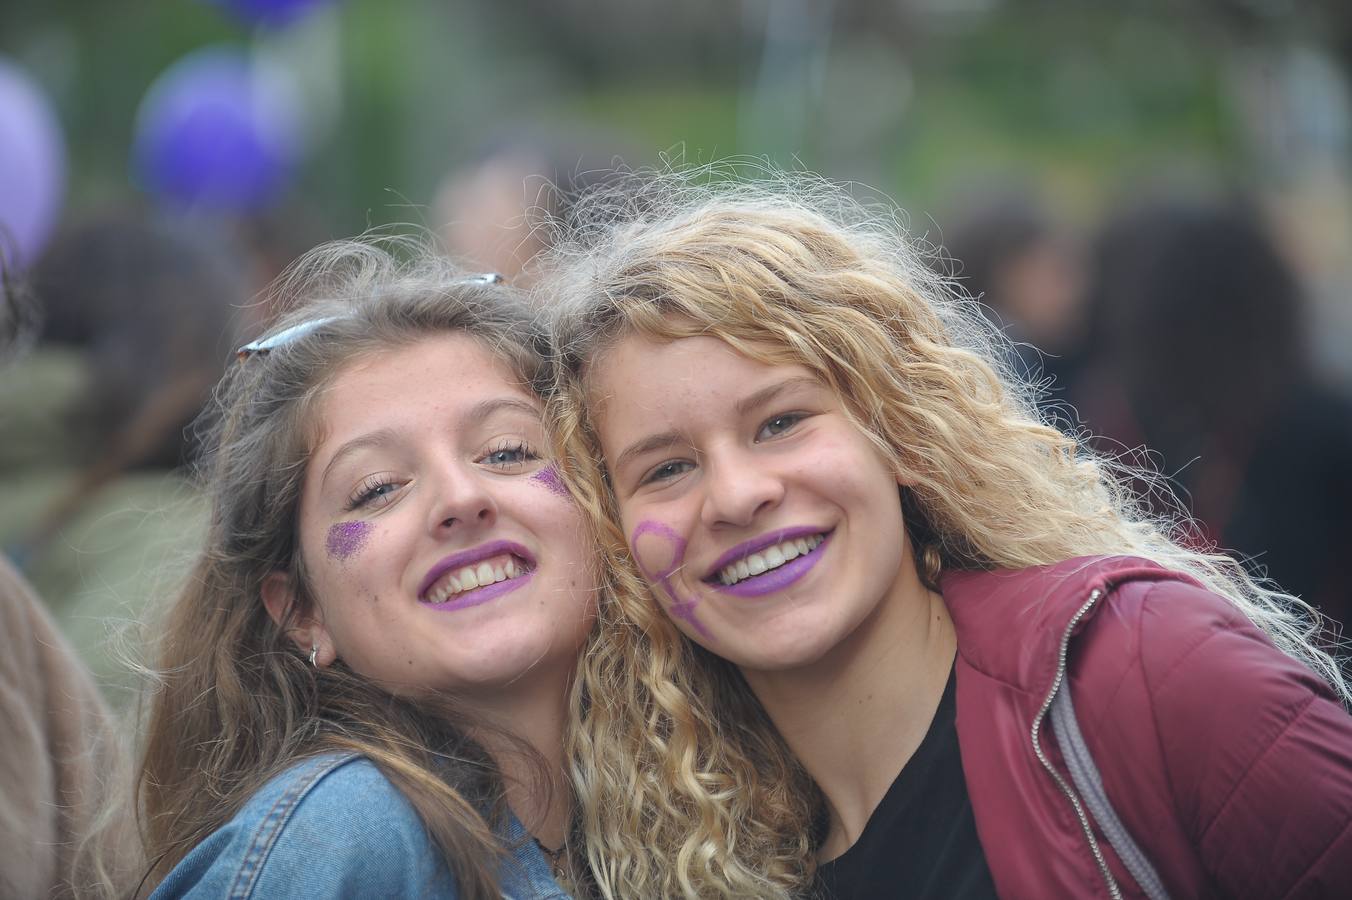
1228 763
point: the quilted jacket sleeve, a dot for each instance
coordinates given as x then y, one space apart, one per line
1257 750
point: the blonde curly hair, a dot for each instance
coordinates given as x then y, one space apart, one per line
686 788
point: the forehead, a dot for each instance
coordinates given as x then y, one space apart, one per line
639 377
425 380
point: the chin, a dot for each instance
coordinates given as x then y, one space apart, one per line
796 643
514 666
785 657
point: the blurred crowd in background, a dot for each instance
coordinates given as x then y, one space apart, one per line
1152 199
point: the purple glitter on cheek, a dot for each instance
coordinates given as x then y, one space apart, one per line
347 538
681 607
549 477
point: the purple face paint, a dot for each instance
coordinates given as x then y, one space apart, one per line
549 477
683 609
347 538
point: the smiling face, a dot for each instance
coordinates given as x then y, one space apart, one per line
440 552
766 521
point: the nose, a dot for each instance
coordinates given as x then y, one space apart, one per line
738 487
462 498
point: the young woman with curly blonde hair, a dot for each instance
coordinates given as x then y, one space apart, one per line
873 627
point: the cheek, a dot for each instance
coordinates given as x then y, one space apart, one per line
658 550
549 479
346 539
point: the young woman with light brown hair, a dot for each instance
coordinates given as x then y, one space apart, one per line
872 628
364 684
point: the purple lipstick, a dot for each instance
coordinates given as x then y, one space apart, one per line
775 579
475 596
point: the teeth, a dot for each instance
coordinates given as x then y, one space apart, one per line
489 571
769 558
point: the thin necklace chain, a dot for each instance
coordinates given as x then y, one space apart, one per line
554 856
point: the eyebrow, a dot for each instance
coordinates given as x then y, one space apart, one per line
385 436
485 408
670 438
379 438
652 442
766 394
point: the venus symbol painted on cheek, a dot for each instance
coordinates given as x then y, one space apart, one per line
549 477
346 539
664 545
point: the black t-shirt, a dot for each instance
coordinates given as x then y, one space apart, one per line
921 840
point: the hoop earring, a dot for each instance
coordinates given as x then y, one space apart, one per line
314 651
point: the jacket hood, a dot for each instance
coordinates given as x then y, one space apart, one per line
1037 604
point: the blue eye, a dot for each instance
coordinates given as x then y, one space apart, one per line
375 490
779 425
511 454
668 470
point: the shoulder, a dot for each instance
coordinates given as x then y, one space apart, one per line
1197 663
1190 703
1038 605
331 826
1187 640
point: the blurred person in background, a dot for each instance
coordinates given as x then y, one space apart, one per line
491 211
62 752
63 758
139 319
262 244
1007 251
1201 326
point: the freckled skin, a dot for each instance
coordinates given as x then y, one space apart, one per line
346 539
448 491
661 540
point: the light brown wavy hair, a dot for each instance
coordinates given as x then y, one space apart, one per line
686 788
236 702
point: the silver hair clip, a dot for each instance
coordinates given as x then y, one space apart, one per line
295 332
282 338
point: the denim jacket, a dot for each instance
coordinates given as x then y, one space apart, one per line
334 826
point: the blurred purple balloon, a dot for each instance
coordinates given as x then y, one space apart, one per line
268 12
32 167
217 133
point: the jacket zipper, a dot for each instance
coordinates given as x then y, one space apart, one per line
1066 789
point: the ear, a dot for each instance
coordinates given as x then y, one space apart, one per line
308 632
